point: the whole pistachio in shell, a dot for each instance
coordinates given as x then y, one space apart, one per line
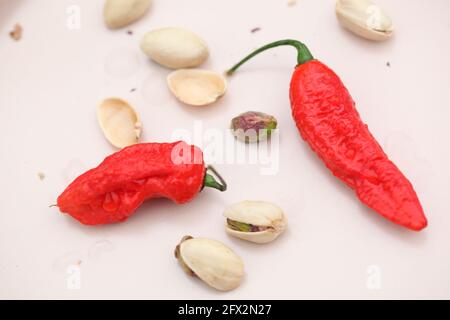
211 261
364 18
175 48
255 221
120 13
253 126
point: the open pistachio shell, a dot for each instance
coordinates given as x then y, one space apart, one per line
255 221
119 122
364 18
196 87
175 48
211 261
120 13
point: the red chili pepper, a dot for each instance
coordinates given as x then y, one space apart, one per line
112 191
326 117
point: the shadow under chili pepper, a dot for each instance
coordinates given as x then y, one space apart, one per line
154 211
324 171
154 214
391 229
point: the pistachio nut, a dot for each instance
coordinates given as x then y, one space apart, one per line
119 121
255 221
253 126
120 13
175 48
196 87
211 261
364 18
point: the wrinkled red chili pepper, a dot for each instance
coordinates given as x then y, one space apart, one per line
112 191
326 117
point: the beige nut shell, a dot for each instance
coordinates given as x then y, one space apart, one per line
213 262
120 13
196 87
175 48
365 19
119 122
258 213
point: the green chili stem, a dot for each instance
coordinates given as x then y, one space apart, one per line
210 182
303 53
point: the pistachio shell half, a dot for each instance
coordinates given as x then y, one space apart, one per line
211 261
364 18
120 13
119 122
175 48
255 221
196 87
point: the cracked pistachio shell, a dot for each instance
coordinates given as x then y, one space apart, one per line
175 48
364 18
211 261
119 122
120 13
196 87
260 214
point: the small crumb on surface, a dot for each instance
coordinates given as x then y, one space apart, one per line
292 2
130 32
16 33
255 29
41 176
388 64
133 90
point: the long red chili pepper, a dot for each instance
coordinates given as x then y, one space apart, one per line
326 117
112 191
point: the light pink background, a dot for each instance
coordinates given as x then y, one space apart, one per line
52 80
